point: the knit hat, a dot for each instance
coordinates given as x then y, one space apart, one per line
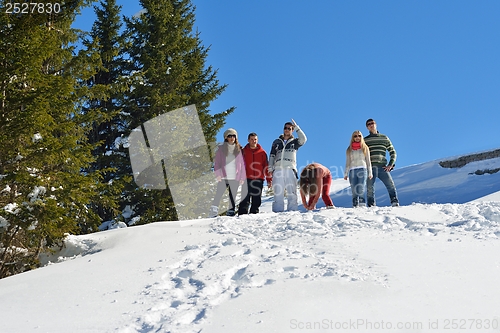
230 131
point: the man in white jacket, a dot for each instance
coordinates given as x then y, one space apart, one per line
283 166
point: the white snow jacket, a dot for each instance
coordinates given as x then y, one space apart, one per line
283 154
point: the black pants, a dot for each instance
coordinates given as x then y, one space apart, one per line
254 195
233 190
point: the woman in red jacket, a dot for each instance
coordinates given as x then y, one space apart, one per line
315 180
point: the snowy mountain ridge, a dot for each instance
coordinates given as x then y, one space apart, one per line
463 160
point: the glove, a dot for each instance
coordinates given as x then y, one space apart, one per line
295 126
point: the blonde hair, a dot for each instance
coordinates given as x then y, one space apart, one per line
364 147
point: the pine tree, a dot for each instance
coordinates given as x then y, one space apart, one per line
43 146
106 43
168 73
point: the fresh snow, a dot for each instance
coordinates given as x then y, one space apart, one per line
431 265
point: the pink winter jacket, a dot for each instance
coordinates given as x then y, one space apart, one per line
220 165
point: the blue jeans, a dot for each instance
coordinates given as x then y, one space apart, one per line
385 177
357 179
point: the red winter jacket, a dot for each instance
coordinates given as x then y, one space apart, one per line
256 163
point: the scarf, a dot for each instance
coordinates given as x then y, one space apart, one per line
356 145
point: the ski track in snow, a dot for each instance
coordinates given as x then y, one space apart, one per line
302 246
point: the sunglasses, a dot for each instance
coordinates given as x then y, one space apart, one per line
231 136
356 136
288 128
369 124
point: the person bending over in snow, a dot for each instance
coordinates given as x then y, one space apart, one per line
315 180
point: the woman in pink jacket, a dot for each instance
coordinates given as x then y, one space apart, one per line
229 169
315 180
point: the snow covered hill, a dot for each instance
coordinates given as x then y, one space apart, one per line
422 267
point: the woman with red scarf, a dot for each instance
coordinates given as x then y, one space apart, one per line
315 181
358 167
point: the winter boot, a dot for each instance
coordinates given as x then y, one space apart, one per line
230 212
214 211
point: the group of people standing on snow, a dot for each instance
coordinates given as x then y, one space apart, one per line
249 166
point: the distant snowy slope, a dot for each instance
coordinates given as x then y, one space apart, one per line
490 197
431 183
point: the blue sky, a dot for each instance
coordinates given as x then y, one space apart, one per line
427 71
